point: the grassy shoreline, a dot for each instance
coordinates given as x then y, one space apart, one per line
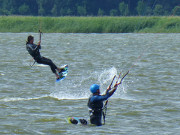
17 24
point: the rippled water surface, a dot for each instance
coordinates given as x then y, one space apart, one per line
146 103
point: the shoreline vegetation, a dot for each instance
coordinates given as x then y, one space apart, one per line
105 24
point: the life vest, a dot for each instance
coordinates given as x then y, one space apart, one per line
33 50
95 107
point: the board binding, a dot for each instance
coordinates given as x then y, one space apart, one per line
63 73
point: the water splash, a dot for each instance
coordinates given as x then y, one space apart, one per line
69 91
76 90
107 75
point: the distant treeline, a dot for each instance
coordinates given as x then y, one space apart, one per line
90 7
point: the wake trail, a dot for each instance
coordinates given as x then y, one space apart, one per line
14 99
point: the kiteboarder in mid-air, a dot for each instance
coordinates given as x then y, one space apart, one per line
33 50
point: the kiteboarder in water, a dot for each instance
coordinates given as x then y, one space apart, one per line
33 50
95 103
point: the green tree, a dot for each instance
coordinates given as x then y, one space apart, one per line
140 8
69 11
41 10
63 12
113 12
24 9
54 10
158 10
123 8
81 10
176 10
100 12
7 7
149 11
4 12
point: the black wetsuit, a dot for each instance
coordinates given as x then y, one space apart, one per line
33 50
95 104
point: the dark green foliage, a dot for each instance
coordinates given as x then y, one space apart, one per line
113 12
123 8
24 9
89 7
176 10
158 10
141 7
100 12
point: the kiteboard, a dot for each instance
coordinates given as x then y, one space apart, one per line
63 73
76 121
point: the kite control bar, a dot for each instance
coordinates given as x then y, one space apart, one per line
40 32
118 82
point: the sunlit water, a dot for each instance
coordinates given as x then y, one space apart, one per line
146 103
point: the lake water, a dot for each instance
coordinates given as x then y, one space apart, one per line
148 101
